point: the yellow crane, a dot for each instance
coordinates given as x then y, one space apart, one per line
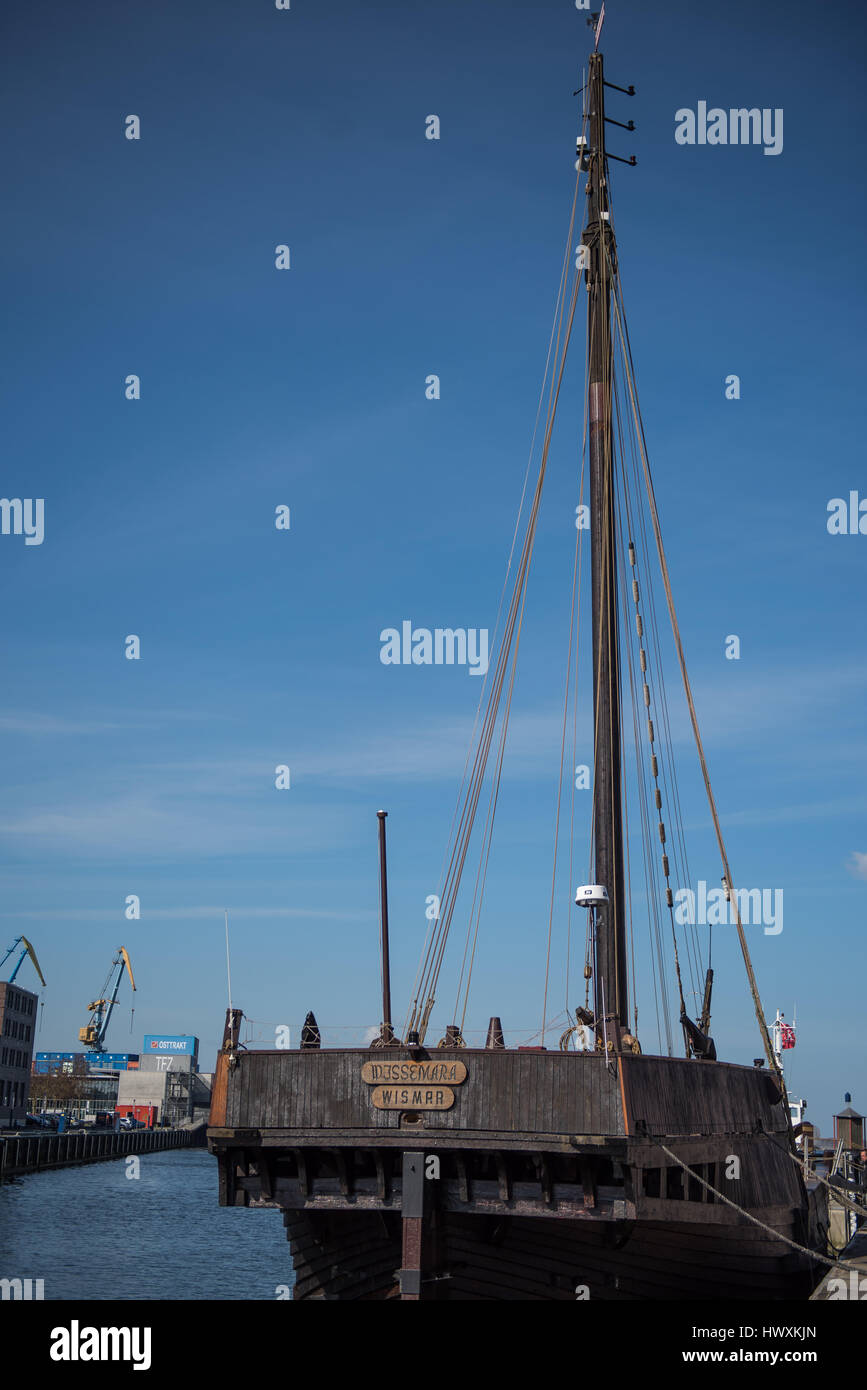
93 1033
27 951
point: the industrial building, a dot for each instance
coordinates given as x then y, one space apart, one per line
169 1097
167 1085
97 1074
17 1032
162 1084
83 1063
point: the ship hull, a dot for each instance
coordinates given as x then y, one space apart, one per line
547 1176
345 1257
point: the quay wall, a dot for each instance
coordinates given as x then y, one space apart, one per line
34 1153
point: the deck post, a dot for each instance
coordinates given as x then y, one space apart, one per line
412 1204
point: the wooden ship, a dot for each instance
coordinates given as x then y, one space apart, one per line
424 1169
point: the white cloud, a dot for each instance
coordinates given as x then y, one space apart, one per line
858 864
736 705
809 811
174 821
87 914
18 722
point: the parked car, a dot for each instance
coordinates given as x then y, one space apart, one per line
130 1122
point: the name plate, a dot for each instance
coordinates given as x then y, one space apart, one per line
413 1098
449 1073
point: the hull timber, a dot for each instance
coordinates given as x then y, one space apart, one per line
545 1174
489 1258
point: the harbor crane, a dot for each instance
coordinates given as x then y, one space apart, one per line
93 1033
27 951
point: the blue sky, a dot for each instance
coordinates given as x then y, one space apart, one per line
306 387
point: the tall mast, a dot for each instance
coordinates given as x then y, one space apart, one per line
386 1030
610 984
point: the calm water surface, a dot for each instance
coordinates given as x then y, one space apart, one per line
92 1232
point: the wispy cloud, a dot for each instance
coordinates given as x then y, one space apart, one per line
805 810
169 827
206 806
437 749
858 864
741 704
52 724
28 722
229 806
431 750
81 914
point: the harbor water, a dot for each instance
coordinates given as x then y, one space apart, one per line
93 1232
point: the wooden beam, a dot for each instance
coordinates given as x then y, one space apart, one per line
267 1164
545 1178
412 1210
303 1172
343 1174
588 1182
463 1177
381 1179
503 1180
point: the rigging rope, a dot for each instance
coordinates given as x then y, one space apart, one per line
663 564
420 1012
555 332
428 973
860 1210
616 364
575 586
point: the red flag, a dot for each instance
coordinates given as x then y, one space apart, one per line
787 1035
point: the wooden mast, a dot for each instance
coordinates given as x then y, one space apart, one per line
386 1029
611 1002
